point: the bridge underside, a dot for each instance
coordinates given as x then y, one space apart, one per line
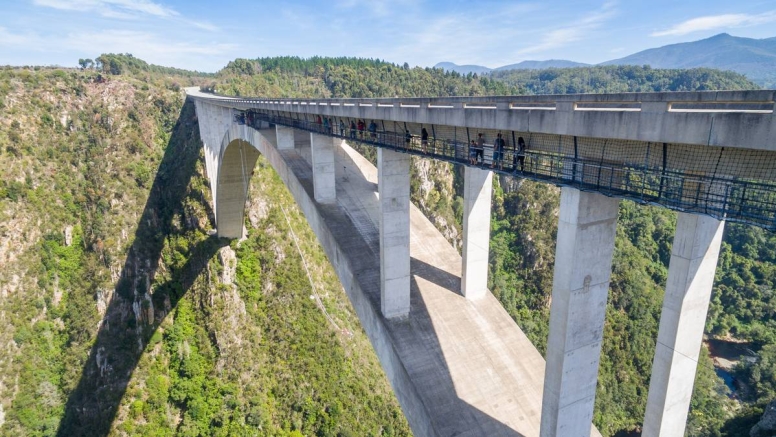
458 367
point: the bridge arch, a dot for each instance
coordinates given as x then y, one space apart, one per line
238 159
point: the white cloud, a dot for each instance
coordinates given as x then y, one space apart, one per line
150 47
717 22
123 9
110 7
576 31
14 39
144 45
376 8
474 36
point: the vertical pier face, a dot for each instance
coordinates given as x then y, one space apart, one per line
478 187
583 260
285 137
688 290
214 122
324 185
393 176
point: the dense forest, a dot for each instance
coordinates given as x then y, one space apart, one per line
112 284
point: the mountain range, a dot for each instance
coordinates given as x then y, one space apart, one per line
754 58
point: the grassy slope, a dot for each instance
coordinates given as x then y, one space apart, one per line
131 324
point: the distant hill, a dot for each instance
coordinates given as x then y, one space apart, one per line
754 58
525 65
540 65
463 69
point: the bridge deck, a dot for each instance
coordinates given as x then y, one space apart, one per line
474 370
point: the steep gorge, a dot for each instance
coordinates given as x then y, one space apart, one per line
122 315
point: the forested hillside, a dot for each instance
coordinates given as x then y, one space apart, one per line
121 314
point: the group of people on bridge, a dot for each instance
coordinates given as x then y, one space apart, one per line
473 153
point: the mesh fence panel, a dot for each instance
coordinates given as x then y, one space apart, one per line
727 183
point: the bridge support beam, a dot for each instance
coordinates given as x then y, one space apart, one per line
688 290
393 178
478 185
324 186
583 260
285 137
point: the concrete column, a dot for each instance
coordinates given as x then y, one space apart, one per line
688 290
583 261
285 137
477 189
324 187
393 176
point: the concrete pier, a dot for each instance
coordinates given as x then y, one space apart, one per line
478 187
688 289
323 167
285 137
394 189
583 259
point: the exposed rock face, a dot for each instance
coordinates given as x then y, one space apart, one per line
767 424
68 236
229 261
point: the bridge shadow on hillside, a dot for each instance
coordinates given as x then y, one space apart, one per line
129 321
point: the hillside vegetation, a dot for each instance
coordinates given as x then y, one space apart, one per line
122 315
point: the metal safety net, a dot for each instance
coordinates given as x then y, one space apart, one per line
733 184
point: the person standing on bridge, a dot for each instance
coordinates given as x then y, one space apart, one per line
407 139
520 155
326 125
473 153
373 130
361 126
342 128
498 152
480 148
424 139
352 129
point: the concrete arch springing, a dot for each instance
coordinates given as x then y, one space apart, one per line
231 151
238 158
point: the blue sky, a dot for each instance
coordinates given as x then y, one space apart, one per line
205 35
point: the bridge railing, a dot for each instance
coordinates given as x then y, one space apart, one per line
732 199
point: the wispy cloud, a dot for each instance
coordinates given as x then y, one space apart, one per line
573 32
711 22
110 7
123 9
31 41
474 35
149 46
378 8
146 45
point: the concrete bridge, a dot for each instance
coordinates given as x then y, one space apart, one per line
458 364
